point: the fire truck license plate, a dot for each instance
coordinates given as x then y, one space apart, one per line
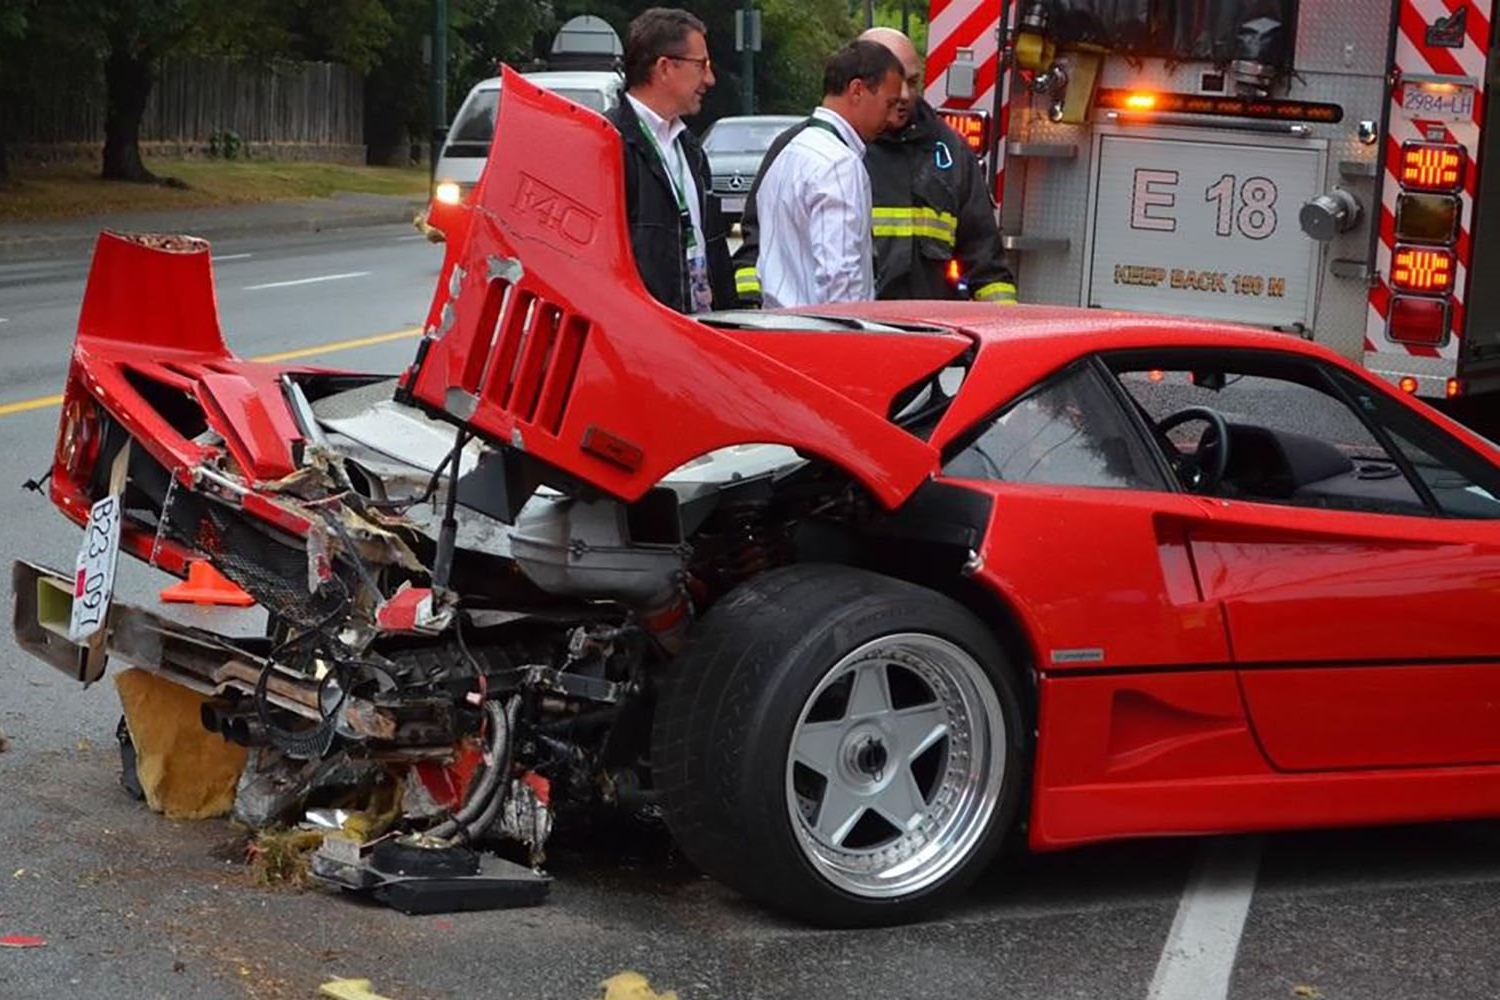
1203 227
1450 102
94 578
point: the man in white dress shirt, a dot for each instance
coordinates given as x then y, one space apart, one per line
814 199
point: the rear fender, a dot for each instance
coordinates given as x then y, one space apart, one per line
151 354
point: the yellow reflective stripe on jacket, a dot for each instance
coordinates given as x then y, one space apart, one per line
914 220
746 280
906 229
999 292
914 213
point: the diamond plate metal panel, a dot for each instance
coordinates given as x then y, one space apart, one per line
1054 205
1349 37
1048 198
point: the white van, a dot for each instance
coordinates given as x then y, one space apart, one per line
469 139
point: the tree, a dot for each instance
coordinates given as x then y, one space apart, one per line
130 38
13 21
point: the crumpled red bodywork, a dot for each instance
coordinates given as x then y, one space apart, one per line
150 316
611 386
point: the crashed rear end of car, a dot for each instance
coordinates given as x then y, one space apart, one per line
477 577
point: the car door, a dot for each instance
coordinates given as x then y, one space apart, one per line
1086 534
1354 547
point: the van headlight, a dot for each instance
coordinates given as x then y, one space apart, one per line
447 193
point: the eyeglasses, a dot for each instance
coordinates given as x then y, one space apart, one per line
704 62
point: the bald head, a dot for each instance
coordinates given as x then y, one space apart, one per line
911 65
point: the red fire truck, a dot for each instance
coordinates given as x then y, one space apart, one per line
1314 166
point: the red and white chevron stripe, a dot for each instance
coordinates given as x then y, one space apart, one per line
1414 57
974 25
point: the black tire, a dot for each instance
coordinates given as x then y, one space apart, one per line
735 699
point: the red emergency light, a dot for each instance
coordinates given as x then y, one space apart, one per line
1432 166
1422 269
1416 320
973 127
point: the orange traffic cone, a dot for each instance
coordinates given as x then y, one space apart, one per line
206 585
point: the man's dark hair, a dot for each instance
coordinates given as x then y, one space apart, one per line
657 32
867 61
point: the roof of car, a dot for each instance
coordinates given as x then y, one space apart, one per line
569 79
1065 325
1020 346
760 119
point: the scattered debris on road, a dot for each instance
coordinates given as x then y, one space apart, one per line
632 986
21 941
185 771
350 989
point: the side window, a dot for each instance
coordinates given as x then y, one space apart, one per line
1070 431
1294 438
1462 483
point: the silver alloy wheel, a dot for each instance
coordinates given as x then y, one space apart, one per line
896 765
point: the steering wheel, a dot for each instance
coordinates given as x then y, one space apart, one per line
1203 470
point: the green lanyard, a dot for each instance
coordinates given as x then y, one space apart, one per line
678 188
813 121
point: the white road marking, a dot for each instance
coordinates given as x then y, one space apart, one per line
415 236
4 320
1198 958
233 256
306 281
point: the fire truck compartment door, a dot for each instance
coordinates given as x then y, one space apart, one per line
1203 226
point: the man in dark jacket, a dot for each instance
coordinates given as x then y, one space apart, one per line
676 231
931 204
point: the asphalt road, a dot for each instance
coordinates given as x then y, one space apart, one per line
132 906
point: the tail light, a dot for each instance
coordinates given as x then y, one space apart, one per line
1417 320
1427 212
954 273
78 437
1426 218
1422 269
1433 166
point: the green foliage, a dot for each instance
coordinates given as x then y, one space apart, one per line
226 144
388 41
798 37
890 13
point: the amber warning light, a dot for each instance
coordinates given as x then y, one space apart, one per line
1146 102
973 127
1418 269
1427 166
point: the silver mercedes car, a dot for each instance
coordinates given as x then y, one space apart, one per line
735 147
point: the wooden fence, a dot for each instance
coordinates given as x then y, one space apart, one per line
314 104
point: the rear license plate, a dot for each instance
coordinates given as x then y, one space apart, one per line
1453 102
735 206
94 578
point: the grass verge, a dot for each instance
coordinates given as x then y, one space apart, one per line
61 191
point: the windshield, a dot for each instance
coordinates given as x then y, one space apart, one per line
743 137
591 99
474 126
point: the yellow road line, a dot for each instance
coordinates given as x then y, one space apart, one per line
6 409
342 345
